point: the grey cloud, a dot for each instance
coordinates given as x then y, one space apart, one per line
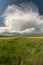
23 19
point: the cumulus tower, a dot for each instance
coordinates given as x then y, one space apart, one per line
22 19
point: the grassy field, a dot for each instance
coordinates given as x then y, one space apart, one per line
21 51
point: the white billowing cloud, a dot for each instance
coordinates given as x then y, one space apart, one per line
23 19
29 30
3 29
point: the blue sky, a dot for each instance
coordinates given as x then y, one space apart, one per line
5 3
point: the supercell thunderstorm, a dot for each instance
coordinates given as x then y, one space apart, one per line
21 19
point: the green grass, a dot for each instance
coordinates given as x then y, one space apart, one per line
21 51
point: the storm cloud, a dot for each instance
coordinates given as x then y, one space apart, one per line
22 19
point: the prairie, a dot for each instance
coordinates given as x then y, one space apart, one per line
21 51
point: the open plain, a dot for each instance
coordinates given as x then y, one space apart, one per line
21 50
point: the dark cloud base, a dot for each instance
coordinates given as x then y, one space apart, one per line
36 24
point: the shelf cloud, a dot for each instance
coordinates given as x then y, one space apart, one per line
23 19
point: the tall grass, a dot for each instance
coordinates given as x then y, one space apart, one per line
21 51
